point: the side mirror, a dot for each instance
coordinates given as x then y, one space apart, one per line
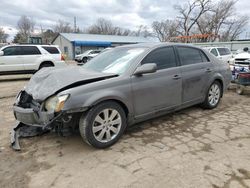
1 53
145 69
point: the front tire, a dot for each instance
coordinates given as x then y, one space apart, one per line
103 125
213 96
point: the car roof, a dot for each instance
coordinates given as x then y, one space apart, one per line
209 47
157 44
45 45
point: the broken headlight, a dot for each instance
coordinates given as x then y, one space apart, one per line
56 103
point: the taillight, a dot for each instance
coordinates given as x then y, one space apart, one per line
62 58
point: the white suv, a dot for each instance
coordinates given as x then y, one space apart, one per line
221 53
29 58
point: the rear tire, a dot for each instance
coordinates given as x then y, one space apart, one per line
84 60
213 96
103 125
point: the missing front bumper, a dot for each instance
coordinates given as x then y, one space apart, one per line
57 125
21 130
30 124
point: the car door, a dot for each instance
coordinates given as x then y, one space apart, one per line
30 57
160 90
10 60
196 70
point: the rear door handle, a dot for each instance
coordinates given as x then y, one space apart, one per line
209 70
176 77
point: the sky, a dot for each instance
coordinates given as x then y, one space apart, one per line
124 13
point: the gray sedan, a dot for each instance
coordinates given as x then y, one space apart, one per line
121 87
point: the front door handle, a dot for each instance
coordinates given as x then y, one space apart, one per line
176 77
2 63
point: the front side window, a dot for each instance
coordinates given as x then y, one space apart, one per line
162 57
30 50
190 56
214 52
115 61
11 51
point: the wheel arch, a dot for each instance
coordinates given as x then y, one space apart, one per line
218 78
113 99
46 62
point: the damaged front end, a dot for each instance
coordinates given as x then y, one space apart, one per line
39 108
33 119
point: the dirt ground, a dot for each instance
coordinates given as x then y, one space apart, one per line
190 148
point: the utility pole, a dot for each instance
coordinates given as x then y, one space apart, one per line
74 24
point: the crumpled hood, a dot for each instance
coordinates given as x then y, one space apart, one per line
48 81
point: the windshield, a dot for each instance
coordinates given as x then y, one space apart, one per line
114 61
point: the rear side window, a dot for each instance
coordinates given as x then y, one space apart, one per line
224 51
214 51
13 50
30 50
51 50
190 56
95 52
162 57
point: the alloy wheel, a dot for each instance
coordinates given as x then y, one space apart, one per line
214 95
106 125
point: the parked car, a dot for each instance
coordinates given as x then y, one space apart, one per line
121 87
91 56
241 63
242 60
221 53
29 58
83 58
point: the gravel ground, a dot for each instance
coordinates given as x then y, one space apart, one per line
190 148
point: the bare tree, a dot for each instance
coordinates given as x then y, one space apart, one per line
48 36
214 20
102 26
165 30
62 27
142 31
3 36
25 26
120 31
190 14
234 28
106 27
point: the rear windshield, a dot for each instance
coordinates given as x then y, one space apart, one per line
224 51
51 50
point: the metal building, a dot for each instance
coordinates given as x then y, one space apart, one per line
72 44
